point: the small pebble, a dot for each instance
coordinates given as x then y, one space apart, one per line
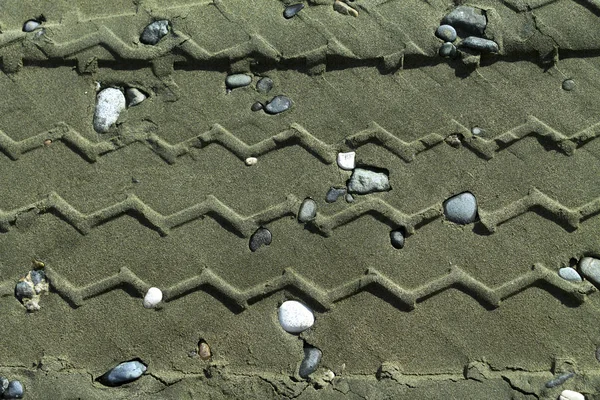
24 290
461 209
47 142
344 8
446 32
278 104
467 18
292 10
569 274
590 268
154 32
568 84
153 297
308 210
477 43
476 130
559 380
123 373
295 317
237 80
109 104
447 50
251 161
204 350
31 25
134 96
346 160
365 181
14 390
310 363
262 236
257 106
570 395
397 238
349 198
334 193
264 85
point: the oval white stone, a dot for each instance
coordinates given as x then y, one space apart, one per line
109 104
295 317
571 395
153 297
346 160
251 161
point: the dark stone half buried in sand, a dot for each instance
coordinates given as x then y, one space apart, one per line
154 32
291 11
261 237
278 104
310 363
123 373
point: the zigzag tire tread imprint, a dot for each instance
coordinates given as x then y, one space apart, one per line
173 193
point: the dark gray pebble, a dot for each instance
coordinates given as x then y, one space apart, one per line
446 32
154 32
308 210
365 181
467 18
292 10
37 276
333 194
257 106
397 238
559 380
24 290
262 236
237 80
568 84
461 209
278 104
447 50
310 363
477 43
264 85
123 373
14 391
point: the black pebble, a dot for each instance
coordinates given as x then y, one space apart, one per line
310 363
256 106
292 10
262 236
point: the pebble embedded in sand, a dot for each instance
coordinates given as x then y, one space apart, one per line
365 181
261 237
447 50
397 238
237 80
310 363
446 32
571 395
123 373
251 161
349 198
278 104
134 96
568 84
308 210
590 268
346 160
476 131
295 317
204 350
483 45
334 193
257 106
154 32
569 274
461 209
14 390
153 297
467 18
264 85
31 25
292 10
109 104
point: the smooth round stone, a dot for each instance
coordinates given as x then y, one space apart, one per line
134 96
568 84
569 274
446 32
257 106
154 32
109 104
397 238
347 161
295 317
291 11
123 373
310 363
480 44
251 161
308 210
237 80
571 395
153 297
264 85
14 390
24 290
204 351
262 237
31 25
278 104
447 50
590 268
461 209
3 384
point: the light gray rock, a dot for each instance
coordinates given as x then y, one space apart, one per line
397 238
446 32
334 193
262 237
308 210
237 80
134 96
461 209
24 290
14 390
310 363
264 85
123 373
447 50
154 32
590 268
31 25
365 181
480 44
349 198
568 85
109 104
467 18
278 104
569 274
292 10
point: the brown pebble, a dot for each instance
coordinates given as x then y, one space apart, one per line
47 142
204 350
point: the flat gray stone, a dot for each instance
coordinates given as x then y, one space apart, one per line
308 210
349 198
14 390
446 32
262 237
397 238
31 25
264 85
461 209
123 373
467 18
237 80
109 104
365 181
480 44
334 193
310 363
447 50
590 268
570 274
278 104
292 10
154 32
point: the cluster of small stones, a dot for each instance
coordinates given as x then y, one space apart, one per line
30 288
11 389
276 105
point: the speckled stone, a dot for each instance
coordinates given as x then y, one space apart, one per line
123 373
467 18
264 85
447 50
461 209
570 274
310 363
365 181
291 11
237 80
154 32
308 210
480 44
446 32
295 317
262 237
109 104
278 104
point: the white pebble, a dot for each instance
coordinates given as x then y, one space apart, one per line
346 160
295 317
153 297
476 130
569 274
109 104
31 25
571 395
251 161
